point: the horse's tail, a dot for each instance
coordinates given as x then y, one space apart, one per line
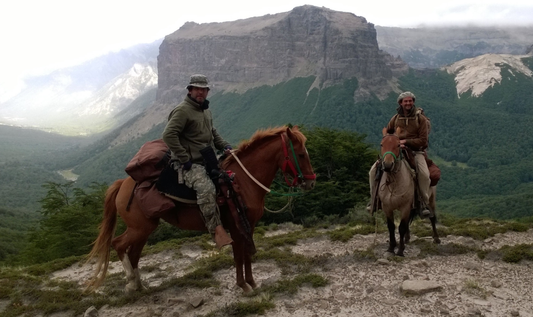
102 244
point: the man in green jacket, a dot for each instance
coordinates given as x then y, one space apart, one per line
189 130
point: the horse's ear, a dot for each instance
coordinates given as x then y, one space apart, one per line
398 131
289 132
384 132
295 128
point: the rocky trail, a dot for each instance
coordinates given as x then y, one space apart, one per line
434 285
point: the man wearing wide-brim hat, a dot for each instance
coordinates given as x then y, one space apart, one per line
189 130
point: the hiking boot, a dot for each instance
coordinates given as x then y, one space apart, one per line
221 237
376 207
425 213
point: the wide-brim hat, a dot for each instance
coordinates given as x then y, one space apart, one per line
198 80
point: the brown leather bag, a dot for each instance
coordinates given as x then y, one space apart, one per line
153 203
145 168
149 161
434 171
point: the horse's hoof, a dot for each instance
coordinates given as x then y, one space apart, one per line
246 288
436 240
400 254
130 289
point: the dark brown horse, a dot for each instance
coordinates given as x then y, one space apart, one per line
397 192
260 159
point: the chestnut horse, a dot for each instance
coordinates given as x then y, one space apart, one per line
397 192
255 164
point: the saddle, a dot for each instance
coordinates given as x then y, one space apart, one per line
228 194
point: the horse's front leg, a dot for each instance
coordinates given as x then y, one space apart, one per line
392 234
403 228
240 258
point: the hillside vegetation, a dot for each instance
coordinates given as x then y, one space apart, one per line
482 145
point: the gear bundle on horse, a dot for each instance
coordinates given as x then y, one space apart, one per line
396 191
254 165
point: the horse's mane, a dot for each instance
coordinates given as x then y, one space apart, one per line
259 137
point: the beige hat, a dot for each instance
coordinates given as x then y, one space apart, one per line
405 94
198 80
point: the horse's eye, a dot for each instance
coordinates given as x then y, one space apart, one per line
301 156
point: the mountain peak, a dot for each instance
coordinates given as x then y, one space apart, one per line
479 73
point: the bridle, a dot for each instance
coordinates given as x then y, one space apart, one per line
293 168
295 171
396 158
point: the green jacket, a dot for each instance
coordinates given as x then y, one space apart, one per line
190 129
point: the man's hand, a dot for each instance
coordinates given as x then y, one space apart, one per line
402 143
227 150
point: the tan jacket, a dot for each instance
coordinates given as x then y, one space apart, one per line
414 129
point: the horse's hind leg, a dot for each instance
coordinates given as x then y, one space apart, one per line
436 238
129 246
392 234
433 218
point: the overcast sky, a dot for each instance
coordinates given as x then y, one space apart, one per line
37 36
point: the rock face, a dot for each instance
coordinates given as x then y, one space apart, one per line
307 41
479 73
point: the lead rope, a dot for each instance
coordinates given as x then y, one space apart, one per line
250 175
375 230
288 205
290 197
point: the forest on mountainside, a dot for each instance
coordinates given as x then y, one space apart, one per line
482 145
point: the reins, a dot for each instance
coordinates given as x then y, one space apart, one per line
287 163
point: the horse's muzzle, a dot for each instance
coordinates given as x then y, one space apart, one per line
308 184
387 166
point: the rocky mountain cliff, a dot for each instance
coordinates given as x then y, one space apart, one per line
307 41
239 55
331 46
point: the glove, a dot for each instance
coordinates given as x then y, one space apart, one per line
187 166
227 149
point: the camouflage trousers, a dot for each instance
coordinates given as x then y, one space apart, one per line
197 179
